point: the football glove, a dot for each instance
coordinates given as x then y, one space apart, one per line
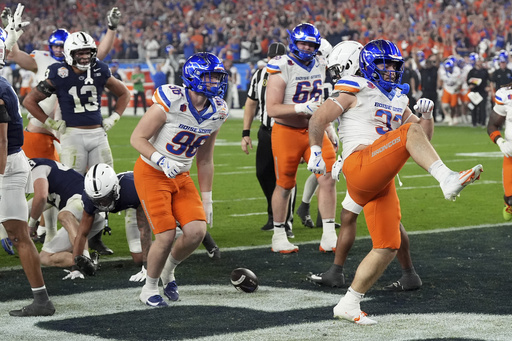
139 276
333 137
316 163
505 146
109 122
424 106
337 169
73 274
113 18
57 125
308 107
208 207
171 168
6 13
15 27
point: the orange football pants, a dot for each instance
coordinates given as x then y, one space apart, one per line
449 98
507 176
370 175
166 200
39 145
289 146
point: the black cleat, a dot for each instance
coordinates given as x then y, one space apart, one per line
304 215
405 284
96 243
268 226
211 247
329 279
46 309
289 232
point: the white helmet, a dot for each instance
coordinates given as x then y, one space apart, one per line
79 41
344 59
102 186
325 48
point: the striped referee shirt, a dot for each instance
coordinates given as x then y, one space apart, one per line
257 92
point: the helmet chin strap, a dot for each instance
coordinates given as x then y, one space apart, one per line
88 79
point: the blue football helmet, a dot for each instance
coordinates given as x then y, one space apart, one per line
3 34
503 56
305 33
449 65
473 57
198 71
57 38
381 52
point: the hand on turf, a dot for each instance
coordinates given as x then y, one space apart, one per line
139 276
73 274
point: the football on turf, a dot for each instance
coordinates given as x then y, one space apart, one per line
244 280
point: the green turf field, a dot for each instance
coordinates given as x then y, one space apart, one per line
464 265
240 206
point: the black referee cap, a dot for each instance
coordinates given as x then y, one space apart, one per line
276 49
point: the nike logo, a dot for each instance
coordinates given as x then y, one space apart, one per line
156 301
98 69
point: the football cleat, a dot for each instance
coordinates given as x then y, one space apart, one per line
359 318
329 278
214 253
455 182
171 291
281 244
46 309
507 214
211 247
7 245
405 283
328 241
304 215
289 232
152 298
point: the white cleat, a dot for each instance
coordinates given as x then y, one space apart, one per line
359 317
456 182
281 244
328 241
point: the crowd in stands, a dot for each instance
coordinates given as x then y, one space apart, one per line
243 30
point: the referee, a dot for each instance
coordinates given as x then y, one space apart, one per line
255 107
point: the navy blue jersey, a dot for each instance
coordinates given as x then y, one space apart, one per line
15 125
79 96
63 182
128 197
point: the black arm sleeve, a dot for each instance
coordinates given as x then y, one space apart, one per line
46 88
4 115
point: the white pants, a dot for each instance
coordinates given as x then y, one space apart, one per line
13 205
83 148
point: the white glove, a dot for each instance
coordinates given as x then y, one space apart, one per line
309 107
333 137
316 163
424 106
57 125
171 168
109 122
337 169
73 274
208 207
139 276
15 28
505 146
113 18
6 14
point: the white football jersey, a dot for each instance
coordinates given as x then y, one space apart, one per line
43 60
185 129
503 107
373 116
451 80
302 82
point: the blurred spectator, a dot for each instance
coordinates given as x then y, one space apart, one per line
138 79
111 98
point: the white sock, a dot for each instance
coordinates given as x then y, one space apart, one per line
328 225
309 188
279 228
168 270
151 283
439 171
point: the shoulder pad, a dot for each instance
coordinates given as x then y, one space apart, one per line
503 95
275 64
350 84
167 94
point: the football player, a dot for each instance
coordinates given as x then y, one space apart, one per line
344 61
14 176
41 141
294 92
182 124
379 133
